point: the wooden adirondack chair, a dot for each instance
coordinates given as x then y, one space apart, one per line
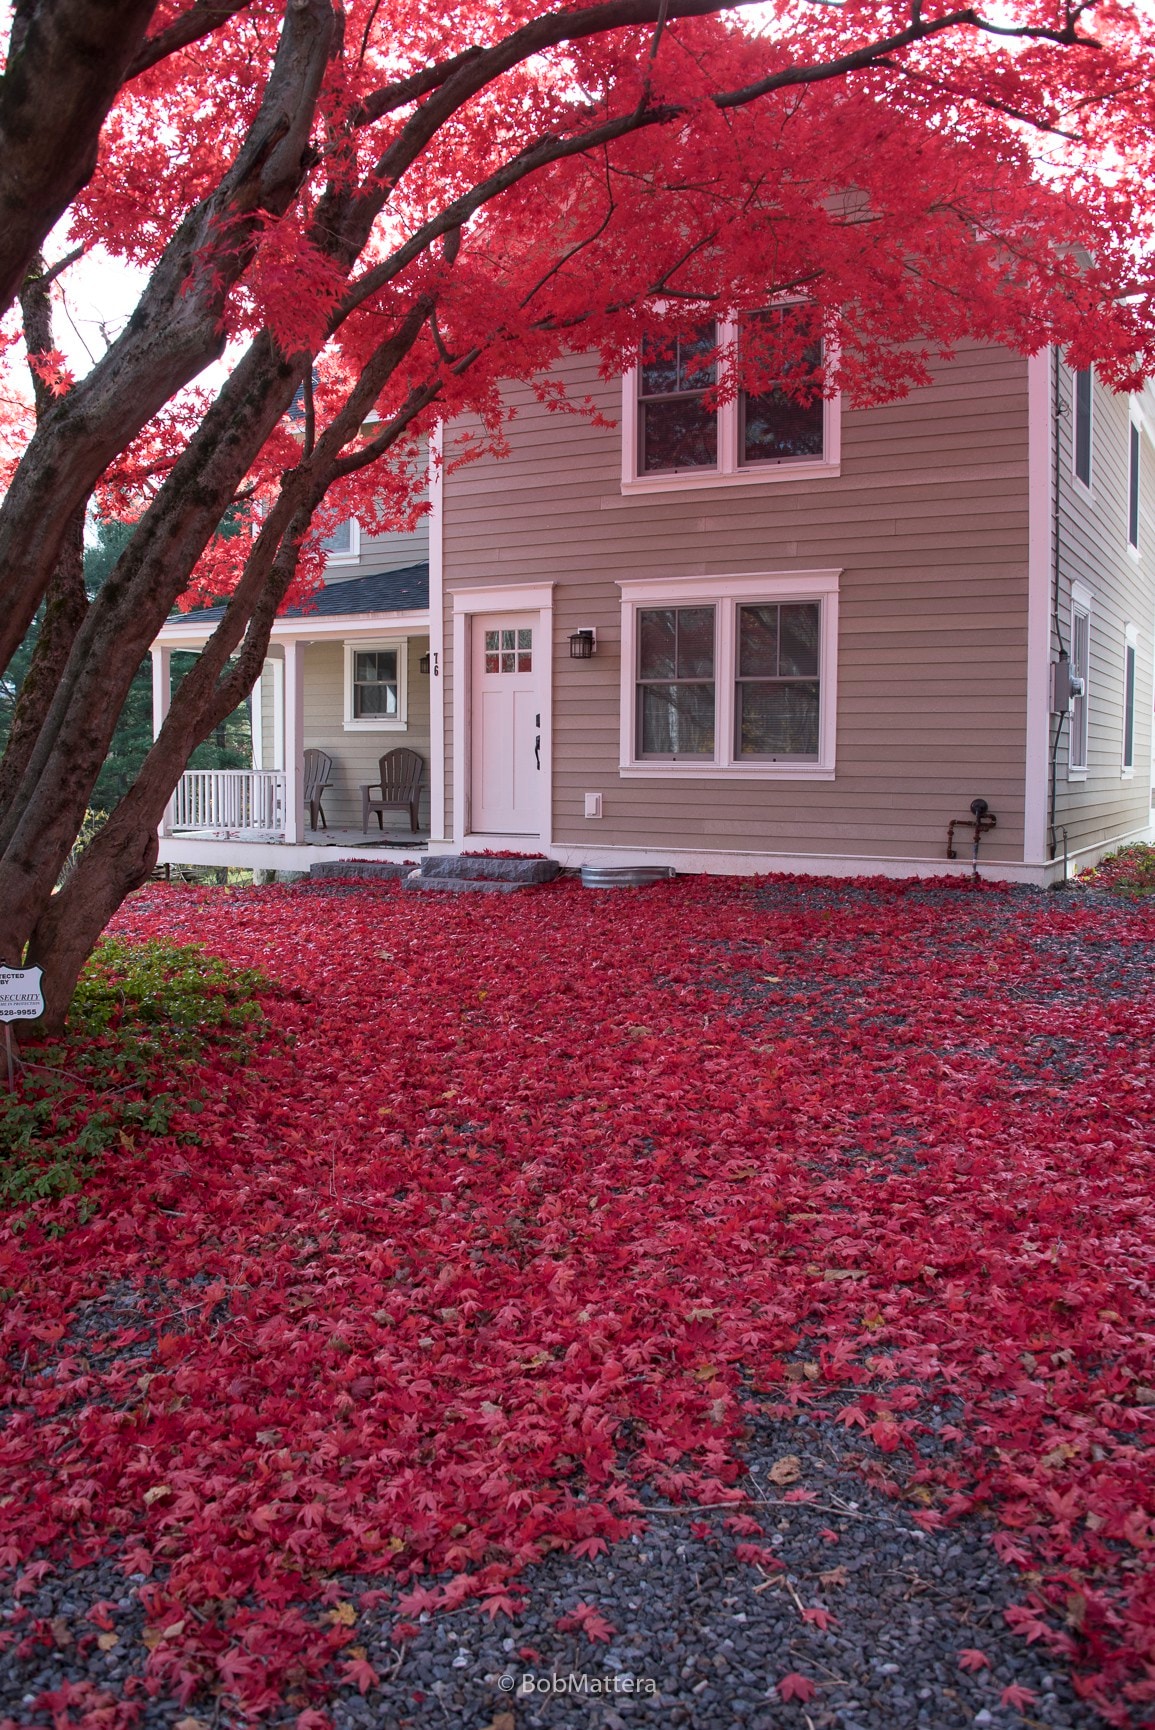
318 768
401 773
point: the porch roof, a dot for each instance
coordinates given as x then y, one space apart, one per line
403 591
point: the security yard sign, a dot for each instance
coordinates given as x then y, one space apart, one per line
21 998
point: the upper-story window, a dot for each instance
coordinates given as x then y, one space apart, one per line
1082 434
1133 456
344 543
676 433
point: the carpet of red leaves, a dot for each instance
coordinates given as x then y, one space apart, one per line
528 1197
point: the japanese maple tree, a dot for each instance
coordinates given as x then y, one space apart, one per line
389 208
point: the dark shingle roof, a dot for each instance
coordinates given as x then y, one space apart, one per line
404 591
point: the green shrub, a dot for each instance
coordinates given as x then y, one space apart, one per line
142 1017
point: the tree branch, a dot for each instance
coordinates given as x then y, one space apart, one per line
201 19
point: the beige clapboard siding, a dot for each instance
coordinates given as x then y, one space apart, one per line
1093 551
928 522
355 754
391 552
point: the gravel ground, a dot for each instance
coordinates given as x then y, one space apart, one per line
700 1639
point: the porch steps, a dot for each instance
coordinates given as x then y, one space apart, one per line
366 868
473 871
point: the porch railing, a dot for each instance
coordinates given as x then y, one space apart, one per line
230 799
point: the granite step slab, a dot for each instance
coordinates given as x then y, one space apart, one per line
361 868
472 885
477 866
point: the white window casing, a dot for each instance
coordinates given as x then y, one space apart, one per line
726 594
730 471
394 723
1078 726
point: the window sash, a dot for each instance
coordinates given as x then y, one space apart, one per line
799 425
1080 660
1129 706
676 705
1082 452
1133 449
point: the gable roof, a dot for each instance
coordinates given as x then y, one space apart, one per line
403 591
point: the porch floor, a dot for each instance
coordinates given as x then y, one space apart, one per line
404 839
257 848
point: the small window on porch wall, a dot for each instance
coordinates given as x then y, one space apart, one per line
375 686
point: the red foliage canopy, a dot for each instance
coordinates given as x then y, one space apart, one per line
518 180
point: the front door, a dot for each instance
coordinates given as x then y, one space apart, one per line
506 756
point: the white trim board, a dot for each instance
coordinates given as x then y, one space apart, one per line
413 624
741 864
436 635
275 855
1040 553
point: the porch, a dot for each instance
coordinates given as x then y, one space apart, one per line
341 680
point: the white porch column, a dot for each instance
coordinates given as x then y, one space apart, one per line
294 740
256 719
161 698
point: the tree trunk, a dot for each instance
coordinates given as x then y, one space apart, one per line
175 331
44 818
64 611
66 62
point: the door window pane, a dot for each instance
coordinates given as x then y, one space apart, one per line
676 682
777 697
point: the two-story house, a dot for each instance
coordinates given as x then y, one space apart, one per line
757 637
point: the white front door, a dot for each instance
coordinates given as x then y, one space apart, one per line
507 774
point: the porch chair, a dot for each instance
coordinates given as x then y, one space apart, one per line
318 768
401 773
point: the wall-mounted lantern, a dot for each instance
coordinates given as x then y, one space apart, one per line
582 645
423 664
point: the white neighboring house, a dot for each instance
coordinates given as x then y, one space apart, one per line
757 639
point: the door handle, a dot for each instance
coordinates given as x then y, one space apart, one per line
537 750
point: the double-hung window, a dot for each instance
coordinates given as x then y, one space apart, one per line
1134 451
683 428
375 686
731 676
